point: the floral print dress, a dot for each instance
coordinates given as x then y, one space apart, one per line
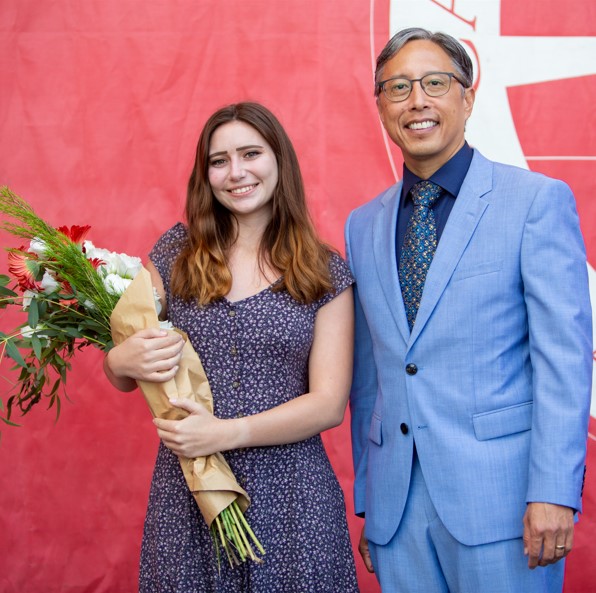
255 353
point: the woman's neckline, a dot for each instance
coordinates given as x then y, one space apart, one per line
252 296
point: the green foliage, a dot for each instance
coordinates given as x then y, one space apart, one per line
74 316
42 354
7 295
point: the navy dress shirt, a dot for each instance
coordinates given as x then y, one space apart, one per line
450 177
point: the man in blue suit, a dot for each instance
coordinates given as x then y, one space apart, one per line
469 404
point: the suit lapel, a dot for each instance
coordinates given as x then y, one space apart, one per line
384 229
463 220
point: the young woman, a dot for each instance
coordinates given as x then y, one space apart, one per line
268 309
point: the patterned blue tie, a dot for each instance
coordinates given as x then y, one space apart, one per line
419 246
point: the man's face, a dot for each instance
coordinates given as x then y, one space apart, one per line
429 130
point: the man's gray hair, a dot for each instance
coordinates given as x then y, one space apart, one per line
453 48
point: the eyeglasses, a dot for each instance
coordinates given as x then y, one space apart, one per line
435 84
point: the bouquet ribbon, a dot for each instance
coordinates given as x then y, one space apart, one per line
209 478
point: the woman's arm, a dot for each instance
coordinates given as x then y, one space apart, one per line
330 373
150 355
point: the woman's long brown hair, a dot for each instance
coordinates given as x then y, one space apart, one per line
289 244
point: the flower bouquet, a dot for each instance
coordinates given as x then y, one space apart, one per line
76 295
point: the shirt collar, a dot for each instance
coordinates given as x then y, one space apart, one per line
450 176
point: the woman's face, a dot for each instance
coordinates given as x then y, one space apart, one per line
242 170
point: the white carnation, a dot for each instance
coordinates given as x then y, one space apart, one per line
116 284
48 283
27 296
28 332
126 266
121 264
92 252
89 248
38 247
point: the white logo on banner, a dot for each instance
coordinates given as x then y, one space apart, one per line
499 62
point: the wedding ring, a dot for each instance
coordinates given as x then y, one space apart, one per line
560 547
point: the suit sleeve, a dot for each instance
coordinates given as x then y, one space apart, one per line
556 292
363 390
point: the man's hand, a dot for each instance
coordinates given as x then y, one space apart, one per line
548 533
364 552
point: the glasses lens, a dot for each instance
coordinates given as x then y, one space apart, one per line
435 84
397 89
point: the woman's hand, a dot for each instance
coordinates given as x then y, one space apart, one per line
330 373
148 355
199 434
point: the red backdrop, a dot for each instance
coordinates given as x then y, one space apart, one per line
101 105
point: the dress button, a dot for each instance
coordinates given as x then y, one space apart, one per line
235 384
233 351
411 369
404 428
232 313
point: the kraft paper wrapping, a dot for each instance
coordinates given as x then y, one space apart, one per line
210 478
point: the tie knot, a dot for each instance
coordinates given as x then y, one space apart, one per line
425 193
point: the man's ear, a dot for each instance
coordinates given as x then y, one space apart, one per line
469 98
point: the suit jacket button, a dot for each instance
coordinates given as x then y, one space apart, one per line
404 428
411 369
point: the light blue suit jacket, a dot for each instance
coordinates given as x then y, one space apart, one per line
502 343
